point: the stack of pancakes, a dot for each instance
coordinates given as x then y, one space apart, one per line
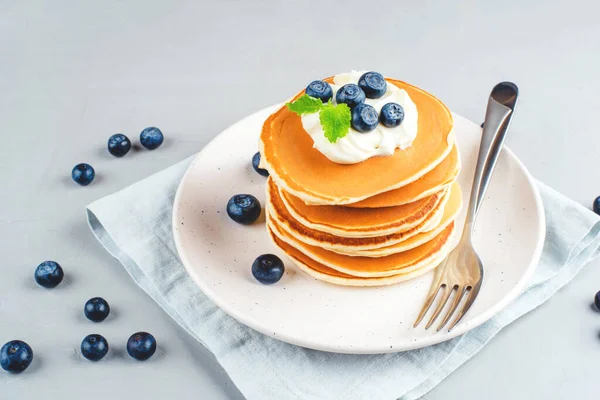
378 222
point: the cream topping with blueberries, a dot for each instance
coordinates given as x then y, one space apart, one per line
376 117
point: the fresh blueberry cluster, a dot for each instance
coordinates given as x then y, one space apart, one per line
371 85
245 208
16 355
118 145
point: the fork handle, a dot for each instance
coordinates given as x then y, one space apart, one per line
501 105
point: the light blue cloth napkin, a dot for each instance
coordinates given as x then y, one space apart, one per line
134 225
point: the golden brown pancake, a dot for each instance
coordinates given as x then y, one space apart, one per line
321 272
336 243
368 267
439 178
287 152
359 222
450 213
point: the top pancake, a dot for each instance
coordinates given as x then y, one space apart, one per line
296 166
436 180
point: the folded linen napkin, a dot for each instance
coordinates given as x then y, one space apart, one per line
134 225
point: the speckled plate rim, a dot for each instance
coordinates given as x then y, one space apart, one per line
424 341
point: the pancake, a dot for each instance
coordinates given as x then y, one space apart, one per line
336 243
448 217
441 177
287 152
367 267
323 273
359 222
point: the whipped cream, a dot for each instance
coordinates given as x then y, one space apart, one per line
356 146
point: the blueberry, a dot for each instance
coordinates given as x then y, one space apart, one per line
373 84
83 174
255 162
49 274
94 347
141 346
350 94
119 145
364 118
15 356
320 90
243 208
151 138
596 205
481 125
268 269
597 300
392 115
96 309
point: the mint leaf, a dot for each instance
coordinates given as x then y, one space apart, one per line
305 105
335 120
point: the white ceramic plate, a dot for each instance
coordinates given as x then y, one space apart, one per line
218 254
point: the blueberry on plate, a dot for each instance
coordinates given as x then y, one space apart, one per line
373 84
350 94
96 309
49 274
597 300
83 174
119 145
268 269
15 356
392 115
94 347
256 162
141 346
243 208
151 138
320 90
596 205
364 118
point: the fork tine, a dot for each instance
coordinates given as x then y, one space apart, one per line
460 292
470 299
433 291
448 291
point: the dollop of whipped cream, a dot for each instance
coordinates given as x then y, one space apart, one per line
356 146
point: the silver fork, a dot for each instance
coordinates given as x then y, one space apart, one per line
462 270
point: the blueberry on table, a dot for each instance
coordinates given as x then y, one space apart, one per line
243 208
119 145
596 205
49 274
94 347
373 84
597 300
320 90
96 309
141 346
481 125
268 269
364 118
392 115
351 95
256 162
83 174
15 356
151 138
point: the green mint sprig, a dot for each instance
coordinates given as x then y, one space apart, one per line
335 119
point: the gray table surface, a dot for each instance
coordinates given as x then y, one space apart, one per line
74 72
